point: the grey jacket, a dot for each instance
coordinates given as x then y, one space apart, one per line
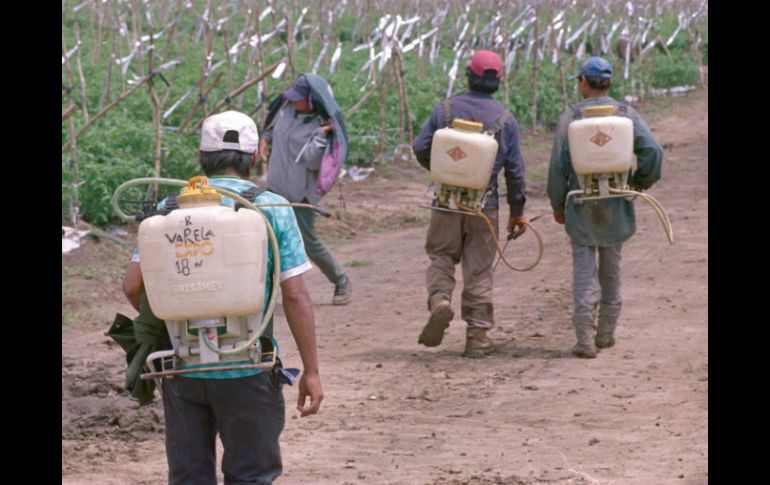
297 146
602 222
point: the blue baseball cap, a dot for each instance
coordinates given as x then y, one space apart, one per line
298 91
595 67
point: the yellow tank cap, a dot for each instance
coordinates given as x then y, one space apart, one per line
603 110
192 195
466 125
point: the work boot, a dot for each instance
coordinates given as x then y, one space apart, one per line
605 336
585 347
439 319
342 291
604 340
477 344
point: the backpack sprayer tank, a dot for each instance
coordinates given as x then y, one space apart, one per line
601 147
204 268
461 162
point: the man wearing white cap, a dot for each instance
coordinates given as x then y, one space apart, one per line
244 407
454 238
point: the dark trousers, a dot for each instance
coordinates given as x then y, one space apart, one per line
248 413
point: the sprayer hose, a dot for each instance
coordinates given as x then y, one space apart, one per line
246 203
500 250
664 220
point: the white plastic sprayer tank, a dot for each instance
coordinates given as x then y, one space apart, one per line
203 259
462 156
601 142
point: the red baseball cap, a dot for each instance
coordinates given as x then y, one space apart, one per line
485 60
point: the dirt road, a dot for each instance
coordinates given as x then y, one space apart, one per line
398 413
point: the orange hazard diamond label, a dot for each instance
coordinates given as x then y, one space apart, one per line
456 153
601 139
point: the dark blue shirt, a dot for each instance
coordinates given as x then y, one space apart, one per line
483 108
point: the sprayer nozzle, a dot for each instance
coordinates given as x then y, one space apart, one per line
323 212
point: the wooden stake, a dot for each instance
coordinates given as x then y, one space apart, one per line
74 208
535 69
83 100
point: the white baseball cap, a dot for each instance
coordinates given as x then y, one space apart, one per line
216 126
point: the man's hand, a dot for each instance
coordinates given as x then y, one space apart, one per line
309 387
517 225
325 129
558 217
298 308
264 150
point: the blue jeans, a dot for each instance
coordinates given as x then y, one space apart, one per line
248 413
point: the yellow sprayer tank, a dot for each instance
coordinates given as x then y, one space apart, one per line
601 142
463 156
204 259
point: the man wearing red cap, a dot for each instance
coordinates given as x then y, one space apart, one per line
454 238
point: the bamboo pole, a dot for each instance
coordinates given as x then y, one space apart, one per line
239 91
535 68
202 91
261 57
290 39
68 112
136 32
383 100
79 64
106 109
74 208
106 87
156 112
403 96
247 33
228 59
201 101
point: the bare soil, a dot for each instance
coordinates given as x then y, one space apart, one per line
398 413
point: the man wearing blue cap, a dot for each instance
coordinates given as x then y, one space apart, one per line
244 407
293 143
599 226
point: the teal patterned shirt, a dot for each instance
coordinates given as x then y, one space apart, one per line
294 260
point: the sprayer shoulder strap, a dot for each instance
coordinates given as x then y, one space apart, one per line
577 113
171 204
249 194
499 123
448 113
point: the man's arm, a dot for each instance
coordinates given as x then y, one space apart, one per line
557 177
133 284
299 313
649 156
513 167
422 144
